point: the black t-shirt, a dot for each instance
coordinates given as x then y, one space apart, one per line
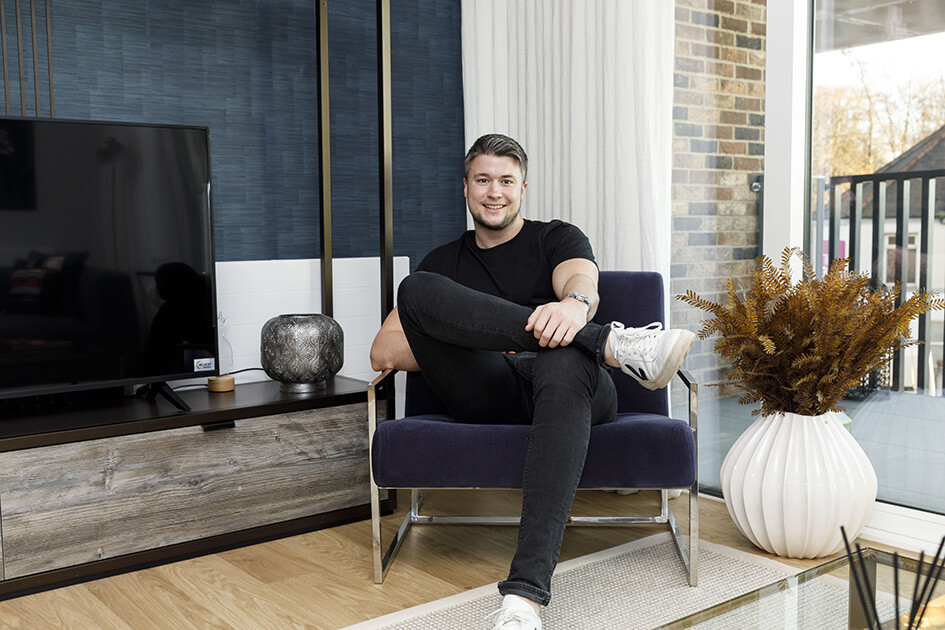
518 270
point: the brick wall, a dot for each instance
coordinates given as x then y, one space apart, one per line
718 151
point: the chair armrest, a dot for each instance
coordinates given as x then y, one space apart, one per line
383 379
693 386
686 377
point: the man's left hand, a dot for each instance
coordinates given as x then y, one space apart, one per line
555 324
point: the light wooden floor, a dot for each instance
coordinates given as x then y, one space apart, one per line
323 580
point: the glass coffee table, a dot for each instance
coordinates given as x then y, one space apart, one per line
825 598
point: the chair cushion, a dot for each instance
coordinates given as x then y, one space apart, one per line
638 450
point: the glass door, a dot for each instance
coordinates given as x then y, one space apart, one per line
878 198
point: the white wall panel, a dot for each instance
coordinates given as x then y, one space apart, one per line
251 292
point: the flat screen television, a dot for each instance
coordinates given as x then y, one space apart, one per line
106 256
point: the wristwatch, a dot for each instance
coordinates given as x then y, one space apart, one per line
580 297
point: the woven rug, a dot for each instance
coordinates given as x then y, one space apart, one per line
639 585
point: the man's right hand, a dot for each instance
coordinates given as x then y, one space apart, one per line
556 323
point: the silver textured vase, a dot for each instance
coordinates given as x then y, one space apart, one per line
302 351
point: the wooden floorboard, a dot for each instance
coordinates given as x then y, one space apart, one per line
323 580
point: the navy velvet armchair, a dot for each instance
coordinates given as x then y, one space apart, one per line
644 449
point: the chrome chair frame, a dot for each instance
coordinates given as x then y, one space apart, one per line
689 554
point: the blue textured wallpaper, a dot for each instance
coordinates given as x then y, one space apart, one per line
247 71
428 126
427 111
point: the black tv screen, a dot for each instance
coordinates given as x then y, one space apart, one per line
106 258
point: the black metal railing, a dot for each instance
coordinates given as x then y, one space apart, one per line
912 201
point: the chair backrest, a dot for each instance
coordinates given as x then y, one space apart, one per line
634 298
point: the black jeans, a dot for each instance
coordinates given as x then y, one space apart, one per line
461 338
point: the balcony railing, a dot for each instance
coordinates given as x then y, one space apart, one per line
898 247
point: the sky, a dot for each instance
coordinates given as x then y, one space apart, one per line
887 64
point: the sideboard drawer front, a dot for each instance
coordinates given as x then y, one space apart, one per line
74 503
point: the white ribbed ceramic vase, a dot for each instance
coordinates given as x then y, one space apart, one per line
791 481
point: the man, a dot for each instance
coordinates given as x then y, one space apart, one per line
499 322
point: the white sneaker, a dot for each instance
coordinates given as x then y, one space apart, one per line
650 354
515 615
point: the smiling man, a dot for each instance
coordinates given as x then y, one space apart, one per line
494 193
499 322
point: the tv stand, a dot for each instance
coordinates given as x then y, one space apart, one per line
153 390
121 487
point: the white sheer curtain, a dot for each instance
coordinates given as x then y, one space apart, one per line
586 86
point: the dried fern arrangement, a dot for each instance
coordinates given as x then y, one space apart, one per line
800 347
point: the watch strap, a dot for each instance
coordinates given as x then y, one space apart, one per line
580 297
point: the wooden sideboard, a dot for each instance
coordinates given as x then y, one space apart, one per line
138 482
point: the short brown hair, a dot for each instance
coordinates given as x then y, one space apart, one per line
499 145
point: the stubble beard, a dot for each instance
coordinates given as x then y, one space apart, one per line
509 220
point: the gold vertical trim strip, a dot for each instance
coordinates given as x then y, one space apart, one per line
324 157
19 56
35 55
385 152
3 43
52 100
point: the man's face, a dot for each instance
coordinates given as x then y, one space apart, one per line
494 191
